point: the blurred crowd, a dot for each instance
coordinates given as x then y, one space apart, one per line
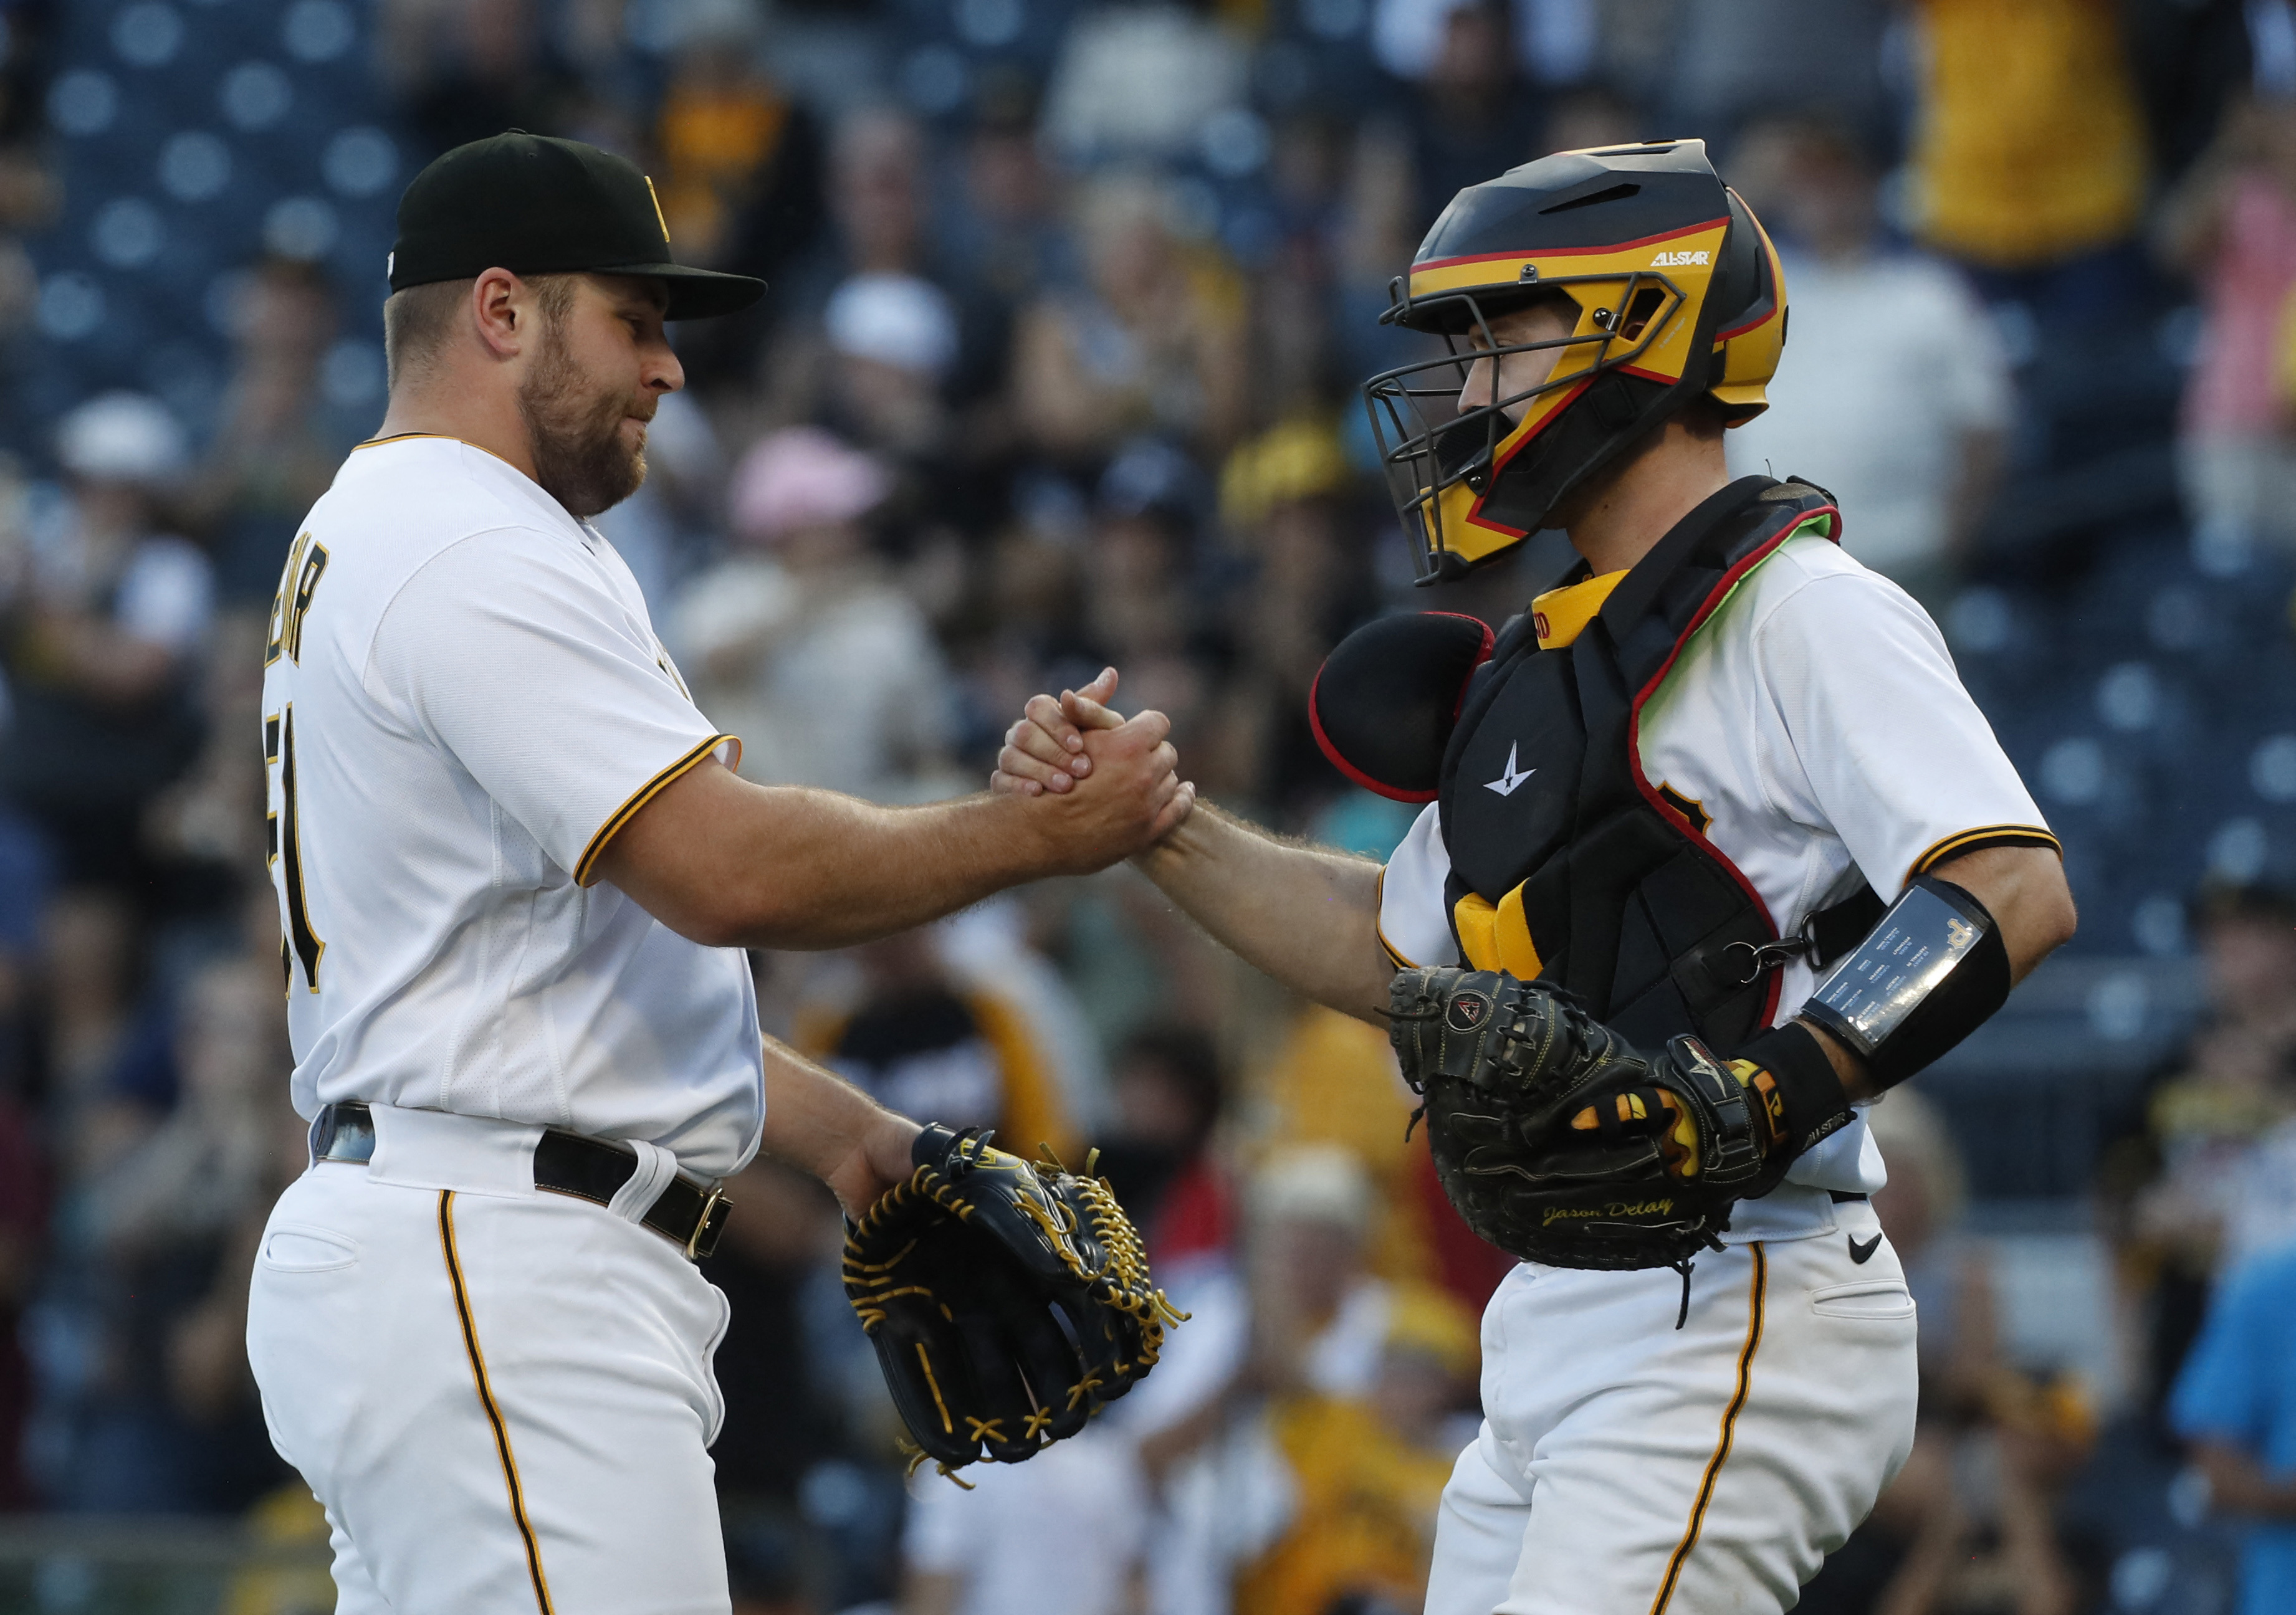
1067 305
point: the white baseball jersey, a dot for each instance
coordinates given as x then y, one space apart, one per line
1815 724
463 699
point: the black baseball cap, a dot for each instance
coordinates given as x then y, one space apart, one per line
534 204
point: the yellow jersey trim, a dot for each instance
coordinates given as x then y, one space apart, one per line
1395 955
443 436
585 866
1985 835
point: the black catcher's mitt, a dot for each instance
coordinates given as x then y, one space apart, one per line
1559 1142
1006 1302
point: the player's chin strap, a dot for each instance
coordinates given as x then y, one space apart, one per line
1932 971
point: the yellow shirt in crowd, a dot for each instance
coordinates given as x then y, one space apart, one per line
2032 145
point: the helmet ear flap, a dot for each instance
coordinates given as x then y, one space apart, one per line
1749 301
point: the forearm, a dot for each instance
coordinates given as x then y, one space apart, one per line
2238 1485
823 1125
730 863
820 870
1305 915
2024 890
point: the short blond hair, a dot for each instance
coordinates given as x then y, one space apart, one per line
416 322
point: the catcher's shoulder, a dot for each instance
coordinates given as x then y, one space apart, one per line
1811 588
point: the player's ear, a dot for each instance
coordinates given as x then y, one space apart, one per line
500 309
1384 702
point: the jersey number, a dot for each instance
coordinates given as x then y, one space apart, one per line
306 562
282 833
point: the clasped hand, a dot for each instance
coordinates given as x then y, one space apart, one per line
1075 749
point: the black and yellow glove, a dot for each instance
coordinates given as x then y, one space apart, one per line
1006 1303
1560 1143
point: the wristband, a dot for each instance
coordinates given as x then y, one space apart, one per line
1794 1080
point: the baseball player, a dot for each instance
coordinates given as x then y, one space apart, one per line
515 875
1717 850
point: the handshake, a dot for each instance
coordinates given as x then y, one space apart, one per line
1099 787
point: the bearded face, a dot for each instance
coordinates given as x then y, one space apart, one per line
574 425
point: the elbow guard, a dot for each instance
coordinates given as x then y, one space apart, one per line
1931 972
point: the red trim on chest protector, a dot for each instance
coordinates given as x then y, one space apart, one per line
1331 753
1712 603
1354 775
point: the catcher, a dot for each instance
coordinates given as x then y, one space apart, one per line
1717 849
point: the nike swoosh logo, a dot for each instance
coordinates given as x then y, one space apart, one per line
1862 1254
1507 782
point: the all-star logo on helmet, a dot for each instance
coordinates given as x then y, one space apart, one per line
1676 294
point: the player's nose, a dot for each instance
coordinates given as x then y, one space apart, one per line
1475 391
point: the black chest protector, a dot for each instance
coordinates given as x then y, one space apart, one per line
1554 830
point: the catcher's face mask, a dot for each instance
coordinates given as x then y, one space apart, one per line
1476 456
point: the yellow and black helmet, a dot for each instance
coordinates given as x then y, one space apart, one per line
1676 293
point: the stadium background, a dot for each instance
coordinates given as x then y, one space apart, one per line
1068 302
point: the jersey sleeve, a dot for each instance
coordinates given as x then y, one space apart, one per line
1869 733
516 656
1415 927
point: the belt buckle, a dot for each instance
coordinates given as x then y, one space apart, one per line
709 1225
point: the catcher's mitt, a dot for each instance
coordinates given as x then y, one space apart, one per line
1559 1142
1006 1302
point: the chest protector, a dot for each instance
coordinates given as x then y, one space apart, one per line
1567 865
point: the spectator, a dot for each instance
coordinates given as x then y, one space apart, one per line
984 1551
922 1041
2231 224
893 340
165 1422
2028 158
1160 1158
465 70
1368 1473
279 444
1894 392
1287 497
1004 230
1144 608
722 125
801 644
1823 57
881 340
1154 344
2235 1402
2225 1126
1921 1208
1327 1362
1468 116
1136 82
102 639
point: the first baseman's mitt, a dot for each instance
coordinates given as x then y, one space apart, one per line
1006 1303
1559 1142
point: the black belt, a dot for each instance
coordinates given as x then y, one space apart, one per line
690 1215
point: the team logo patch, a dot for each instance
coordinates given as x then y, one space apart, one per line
1468 1011
1507 782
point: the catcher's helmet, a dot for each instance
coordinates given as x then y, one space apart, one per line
1675 291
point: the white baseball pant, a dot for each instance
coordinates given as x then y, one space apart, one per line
1627 1468
502 1395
